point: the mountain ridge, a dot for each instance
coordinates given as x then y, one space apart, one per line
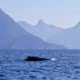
41 29
13 36
68 37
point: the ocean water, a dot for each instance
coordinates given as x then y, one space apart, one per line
65 67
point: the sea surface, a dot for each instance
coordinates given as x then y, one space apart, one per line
65 67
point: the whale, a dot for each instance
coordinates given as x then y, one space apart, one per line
35 58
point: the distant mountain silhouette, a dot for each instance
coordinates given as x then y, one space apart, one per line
42 30
69 37
13 36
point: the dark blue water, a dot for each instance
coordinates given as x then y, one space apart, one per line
66 66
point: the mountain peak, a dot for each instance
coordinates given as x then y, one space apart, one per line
41 22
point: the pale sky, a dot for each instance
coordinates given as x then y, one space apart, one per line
63 13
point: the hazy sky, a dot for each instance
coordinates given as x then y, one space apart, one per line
63 13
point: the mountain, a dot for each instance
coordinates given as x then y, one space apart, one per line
26 26
41 29
13 36
69 37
